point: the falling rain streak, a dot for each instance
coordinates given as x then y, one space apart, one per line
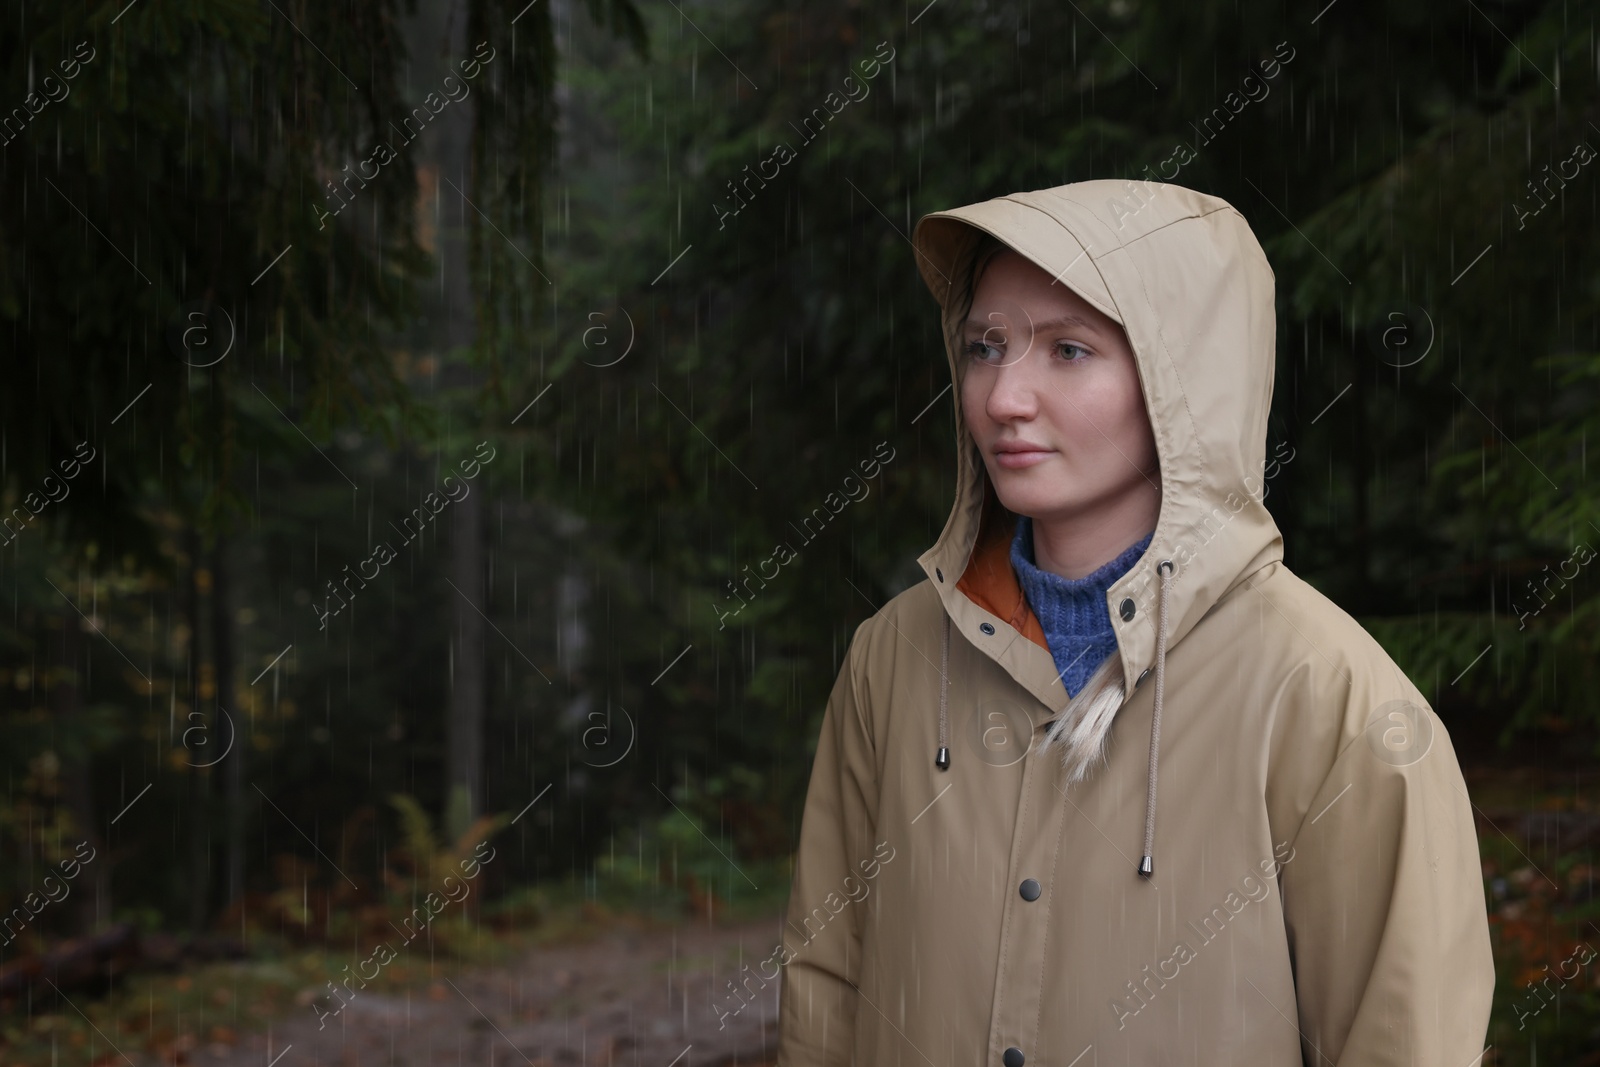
345 551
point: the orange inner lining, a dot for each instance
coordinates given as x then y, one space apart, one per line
990 583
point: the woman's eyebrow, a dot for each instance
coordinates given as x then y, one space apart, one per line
1065 321
1060 322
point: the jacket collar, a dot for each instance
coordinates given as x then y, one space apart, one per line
990 582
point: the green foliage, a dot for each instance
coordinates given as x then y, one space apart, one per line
247 364
775 333
141 213
672 864
428 859
794 334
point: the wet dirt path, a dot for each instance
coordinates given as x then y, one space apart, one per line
652 998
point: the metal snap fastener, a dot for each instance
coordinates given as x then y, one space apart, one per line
1142 676
987 628
1126 609
1029 889
1013 1057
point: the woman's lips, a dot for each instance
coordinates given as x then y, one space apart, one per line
1015 460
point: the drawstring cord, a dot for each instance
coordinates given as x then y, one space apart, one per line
1147 863
942 758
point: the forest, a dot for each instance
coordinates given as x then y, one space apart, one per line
419 419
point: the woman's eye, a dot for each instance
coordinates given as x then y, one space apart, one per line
980 349
1070 352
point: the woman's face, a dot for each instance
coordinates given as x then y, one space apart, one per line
1051 395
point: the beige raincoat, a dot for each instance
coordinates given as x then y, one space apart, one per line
1316 896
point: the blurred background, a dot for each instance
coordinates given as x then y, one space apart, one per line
395 391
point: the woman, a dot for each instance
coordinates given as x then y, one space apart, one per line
984 873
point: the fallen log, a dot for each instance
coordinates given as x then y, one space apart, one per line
78 963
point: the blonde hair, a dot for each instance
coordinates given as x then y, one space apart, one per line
970 263
1083 731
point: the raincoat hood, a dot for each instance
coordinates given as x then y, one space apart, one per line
1184 276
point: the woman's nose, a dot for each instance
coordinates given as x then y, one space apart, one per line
1012 395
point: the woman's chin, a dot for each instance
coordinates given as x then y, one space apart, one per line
1031 505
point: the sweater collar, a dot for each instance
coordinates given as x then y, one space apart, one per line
1070 606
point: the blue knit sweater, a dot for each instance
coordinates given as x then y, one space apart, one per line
1072 611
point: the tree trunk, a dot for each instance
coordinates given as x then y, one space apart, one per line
1361 457
92 892
199 777
228 725
465 797
448 148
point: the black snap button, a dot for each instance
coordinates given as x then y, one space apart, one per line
1126 609
1029 889
939 572
1013 1057
1142 676
987 628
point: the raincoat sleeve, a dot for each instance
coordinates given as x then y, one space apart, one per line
822 931
1383 899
